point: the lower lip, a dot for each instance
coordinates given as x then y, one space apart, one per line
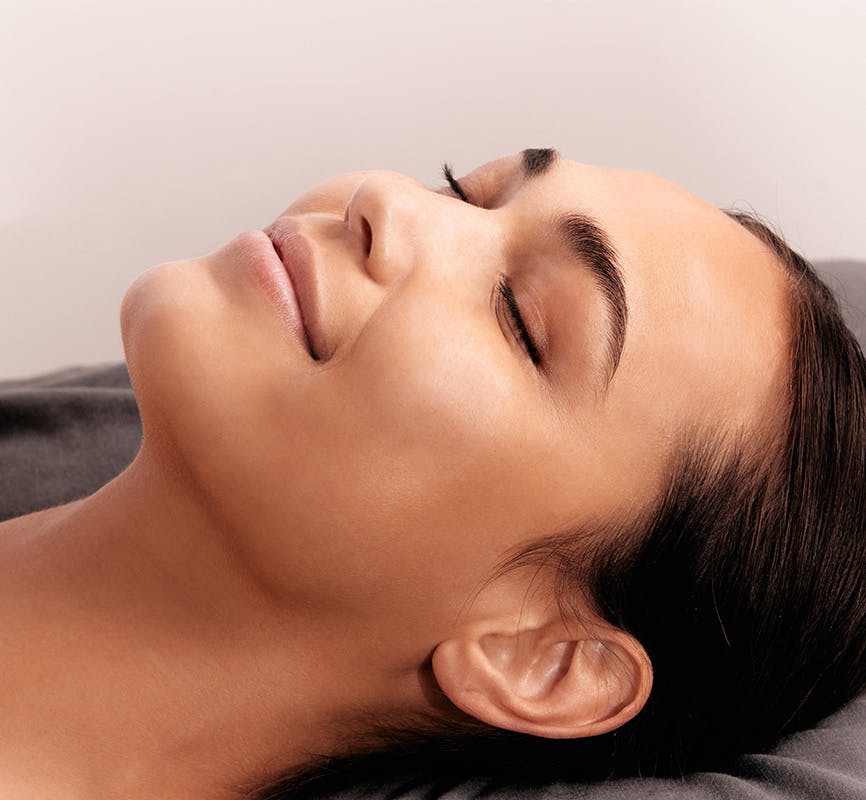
263 262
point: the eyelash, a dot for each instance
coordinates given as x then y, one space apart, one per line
504 292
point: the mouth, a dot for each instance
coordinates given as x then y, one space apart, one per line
295 255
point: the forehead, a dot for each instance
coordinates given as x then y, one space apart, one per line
708 323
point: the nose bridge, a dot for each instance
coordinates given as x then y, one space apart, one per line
404 225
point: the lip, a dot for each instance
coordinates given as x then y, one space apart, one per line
266 268
296 256
282 265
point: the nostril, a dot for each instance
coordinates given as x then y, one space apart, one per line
368 236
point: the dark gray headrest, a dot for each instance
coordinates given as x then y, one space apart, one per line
847 279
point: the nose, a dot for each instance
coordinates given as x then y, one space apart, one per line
394 217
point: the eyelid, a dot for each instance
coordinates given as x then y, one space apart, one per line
458 187
533 320
531 310
525 336
514 319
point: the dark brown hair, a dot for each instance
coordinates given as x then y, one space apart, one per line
746 585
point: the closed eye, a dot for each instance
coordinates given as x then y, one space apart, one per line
506 295
455 184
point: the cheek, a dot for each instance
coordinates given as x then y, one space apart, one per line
409 451
420 423
438 389
436 386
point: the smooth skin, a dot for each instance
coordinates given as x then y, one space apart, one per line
298 543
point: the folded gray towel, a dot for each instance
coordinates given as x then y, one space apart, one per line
63 435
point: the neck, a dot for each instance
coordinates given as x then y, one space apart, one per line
141 659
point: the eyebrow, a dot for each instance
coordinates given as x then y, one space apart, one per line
591 245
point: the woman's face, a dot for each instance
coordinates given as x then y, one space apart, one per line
393 472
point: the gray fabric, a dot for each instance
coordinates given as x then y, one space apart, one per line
65 434
827 762
847 279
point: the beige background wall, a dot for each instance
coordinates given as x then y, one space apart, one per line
137 133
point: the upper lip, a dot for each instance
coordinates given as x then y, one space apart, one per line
296 253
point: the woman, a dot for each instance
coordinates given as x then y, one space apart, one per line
558 463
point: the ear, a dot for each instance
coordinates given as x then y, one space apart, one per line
543 680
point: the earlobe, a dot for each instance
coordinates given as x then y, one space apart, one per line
545 681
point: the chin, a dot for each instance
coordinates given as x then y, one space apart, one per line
210 372
174 328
